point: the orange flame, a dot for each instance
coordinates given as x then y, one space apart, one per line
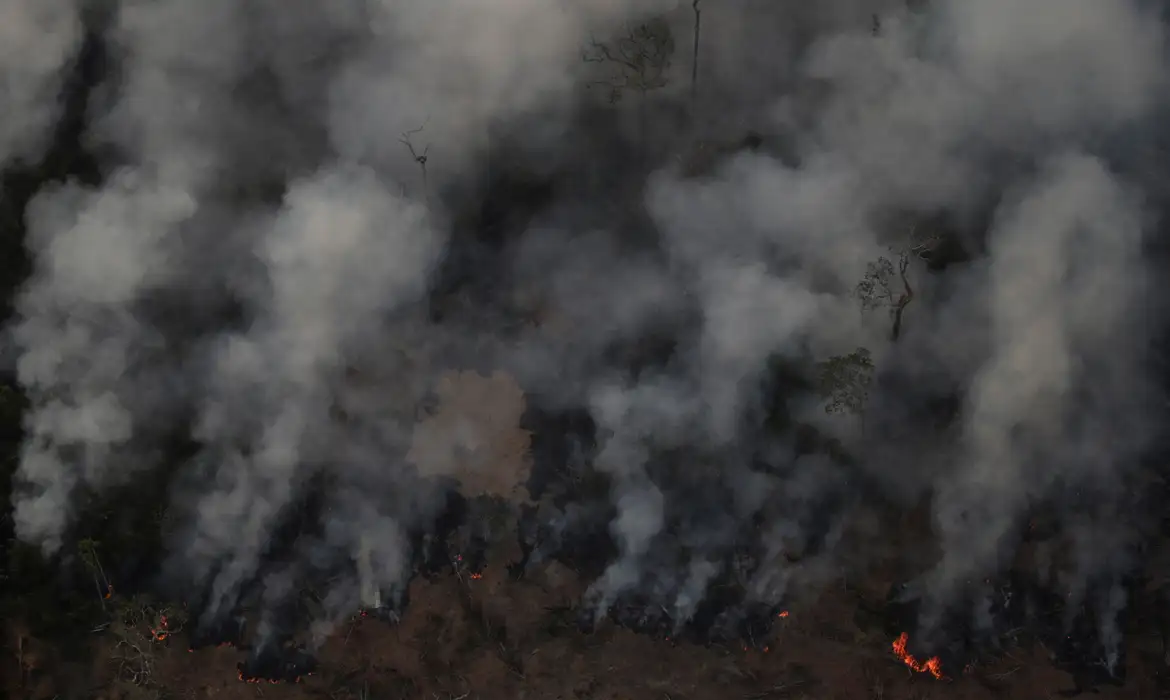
783 613
933 665
161 632
109 591
476 577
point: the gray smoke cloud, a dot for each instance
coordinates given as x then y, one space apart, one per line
1059 403
39 41
258 259
342 253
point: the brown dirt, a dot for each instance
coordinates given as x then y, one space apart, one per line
495 638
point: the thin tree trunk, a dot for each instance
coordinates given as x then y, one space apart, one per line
643 127
896 332
904 300
695 60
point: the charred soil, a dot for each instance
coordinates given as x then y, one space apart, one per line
493 634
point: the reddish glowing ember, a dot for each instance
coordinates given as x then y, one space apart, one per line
476 577
933 665
783 613
162 631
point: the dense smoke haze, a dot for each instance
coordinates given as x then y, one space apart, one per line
317 220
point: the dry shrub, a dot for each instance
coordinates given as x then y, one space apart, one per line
140 630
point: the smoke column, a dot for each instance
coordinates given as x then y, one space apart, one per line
288 186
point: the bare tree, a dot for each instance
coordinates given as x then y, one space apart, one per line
407 139
638 61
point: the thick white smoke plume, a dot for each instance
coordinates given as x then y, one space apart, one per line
39 39
288 186
342 254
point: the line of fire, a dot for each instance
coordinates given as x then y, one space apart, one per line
457 543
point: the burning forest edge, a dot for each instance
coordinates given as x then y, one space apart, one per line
280 649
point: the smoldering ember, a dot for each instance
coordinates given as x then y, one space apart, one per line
584 349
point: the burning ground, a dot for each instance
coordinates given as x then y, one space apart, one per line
498 605
378 346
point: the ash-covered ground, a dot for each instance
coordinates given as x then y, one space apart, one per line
721 309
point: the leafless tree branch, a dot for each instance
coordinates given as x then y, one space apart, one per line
407 139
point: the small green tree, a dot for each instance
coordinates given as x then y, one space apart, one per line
844 381
886 283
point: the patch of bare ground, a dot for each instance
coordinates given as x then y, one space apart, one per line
495 638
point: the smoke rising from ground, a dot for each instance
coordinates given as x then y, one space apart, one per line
39 40
257 274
